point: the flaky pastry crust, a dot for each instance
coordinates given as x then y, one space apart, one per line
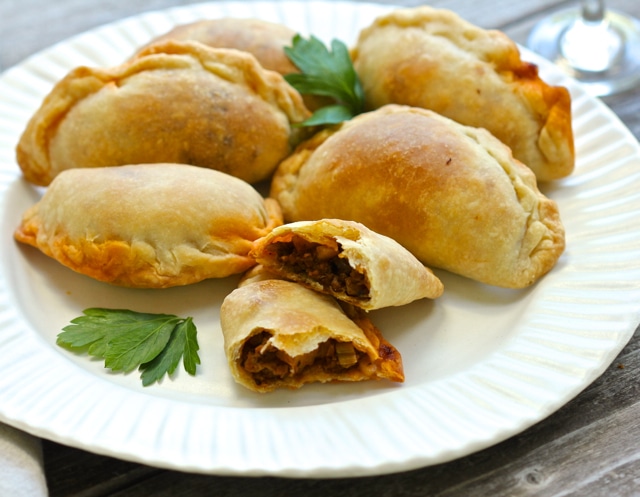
347 260
263 39
453 195
177 102
432 58
280 334
149 226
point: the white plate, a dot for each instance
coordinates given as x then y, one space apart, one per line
481 363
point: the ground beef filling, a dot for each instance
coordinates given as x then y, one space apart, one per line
265 363
323 264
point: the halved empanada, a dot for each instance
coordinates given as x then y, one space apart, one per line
452 195
177 102
347 260
432 58
149 225
278 333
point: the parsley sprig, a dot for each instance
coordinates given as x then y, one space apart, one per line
126 340
327 73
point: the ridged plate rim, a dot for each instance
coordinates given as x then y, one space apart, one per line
570 327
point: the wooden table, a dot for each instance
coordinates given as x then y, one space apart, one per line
590 447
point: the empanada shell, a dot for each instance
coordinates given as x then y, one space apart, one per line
432 58
451 194
394 276
299 320
176 102
149 226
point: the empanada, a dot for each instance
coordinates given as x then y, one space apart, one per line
451 194
432 58
149 225
347 260
263 39
278 333
177 102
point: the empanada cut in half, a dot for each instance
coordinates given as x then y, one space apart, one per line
149 225
280 334
175 102
432 58
453 195
347 260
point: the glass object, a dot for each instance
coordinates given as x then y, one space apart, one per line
597 46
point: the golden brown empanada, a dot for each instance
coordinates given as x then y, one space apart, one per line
149 225
451 194
278 333
263 39
347 260
432 58
177 102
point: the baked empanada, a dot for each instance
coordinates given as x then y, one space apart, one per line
278 333
149 225
453 195
432 58
176 102
347 260
263 39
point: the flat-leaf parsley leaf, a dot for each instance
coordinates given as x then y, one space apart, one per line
127 340
181 343
327 73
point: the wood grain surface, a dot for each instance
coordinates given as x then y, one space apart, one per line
590 447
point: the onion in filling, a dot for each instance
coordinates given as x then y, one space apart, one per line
265 363
321 263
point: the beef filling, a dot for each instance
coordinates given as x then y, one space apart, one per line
323 264
266 363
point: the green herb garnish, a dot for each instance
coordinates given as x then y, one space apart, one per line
326 73
127 340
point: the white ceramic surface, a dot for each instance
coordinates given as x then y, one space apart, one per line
481 363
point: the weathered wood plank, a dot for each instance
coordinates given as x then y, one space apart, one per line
66 18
